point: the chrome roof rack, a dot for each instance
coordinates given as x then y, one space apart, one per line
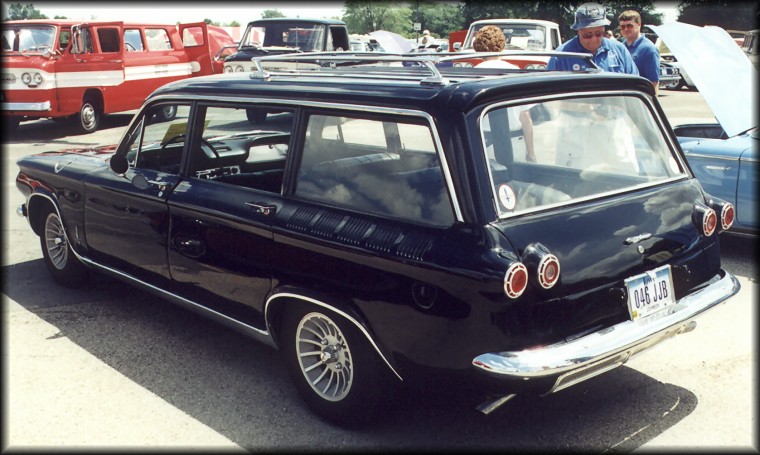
421 63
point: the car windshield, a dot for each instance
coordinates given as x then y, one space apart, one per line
28 38
519 36
554 152
297 36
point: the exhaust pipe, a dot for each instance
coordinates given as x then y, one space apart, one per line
493 404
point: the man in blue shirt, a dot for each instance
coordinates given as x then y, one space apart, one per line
644 52
608 54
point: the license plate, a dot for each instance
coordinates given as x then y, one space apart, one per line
650 293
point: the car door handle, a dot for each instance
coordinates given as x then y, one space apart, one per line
717 168
161 185
193 248
264 209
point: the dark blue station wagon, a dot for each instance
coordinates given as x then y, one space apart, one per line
517 232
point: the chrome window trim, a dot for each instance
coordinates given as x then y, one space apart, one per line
538 99
329 106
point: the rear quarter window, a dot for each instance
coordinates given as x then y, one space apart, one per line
383 167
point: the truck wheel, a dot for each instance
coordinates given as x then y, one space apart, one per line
256 116
333 367
89 116
61 262
166 113
10 124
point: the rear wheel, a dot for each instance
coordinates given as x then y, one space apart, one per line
61 262
89 115
333 366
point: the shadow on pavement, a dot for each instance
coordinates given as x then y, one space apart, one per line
738 255
49 130
241 389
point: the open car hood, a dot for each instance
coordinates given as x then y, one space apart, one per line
719 68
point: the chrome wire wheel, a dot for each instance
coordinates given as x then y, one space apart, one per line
324 356
55 241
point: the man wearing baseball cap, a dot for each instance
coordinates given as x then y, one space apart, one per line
609 54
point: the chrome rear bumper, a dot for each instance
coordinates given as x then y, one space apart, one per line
582 358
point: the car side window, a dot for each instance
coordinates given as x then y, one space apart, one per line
377 166
133 40
231 150
158 141
158 39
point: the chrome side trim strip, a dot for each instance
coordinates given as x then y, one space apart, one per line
43 106
260 335
341 313
608 347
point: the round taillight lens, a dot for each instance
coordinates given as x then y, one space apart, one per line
709 222
548 271
727 216
515 280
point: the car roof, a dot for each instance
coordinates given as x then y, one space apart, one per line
463 88
514 21
299 19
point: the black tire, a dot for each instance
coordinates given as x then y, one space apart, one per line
89 116
63 265
348 375
256 116
166 113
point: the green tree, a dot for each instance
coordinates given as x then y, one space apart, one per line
17 11
440 18
271 13
364 16
727 14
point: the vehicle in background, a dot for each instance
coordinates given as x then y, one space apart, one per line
521 34
280 36
724 155
750 46
668 57
670 76
63 69
221 45
217 63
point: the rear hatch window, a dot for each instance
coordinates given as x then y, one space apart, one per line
554 152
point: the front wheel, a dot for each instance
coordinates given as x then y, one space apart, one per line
89 116
333 366
63 265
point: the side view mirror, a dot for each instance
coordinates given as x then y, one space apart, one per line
119 164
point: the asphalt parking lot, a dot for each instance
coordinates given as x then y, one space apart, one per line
107 366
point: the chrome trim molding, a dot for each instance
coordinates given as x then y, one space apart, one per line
318 104
331 308
582 358
261 335
43 106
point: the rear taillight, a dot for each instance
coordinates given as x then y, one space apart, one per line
515 280
725 211
548 271
705 218
727 216
541 262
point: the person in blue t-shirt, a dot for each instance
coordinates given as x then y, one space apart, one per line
642 49
608 54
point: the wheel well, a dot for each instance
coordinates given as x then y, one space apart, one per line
38 207
278 303
95 97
